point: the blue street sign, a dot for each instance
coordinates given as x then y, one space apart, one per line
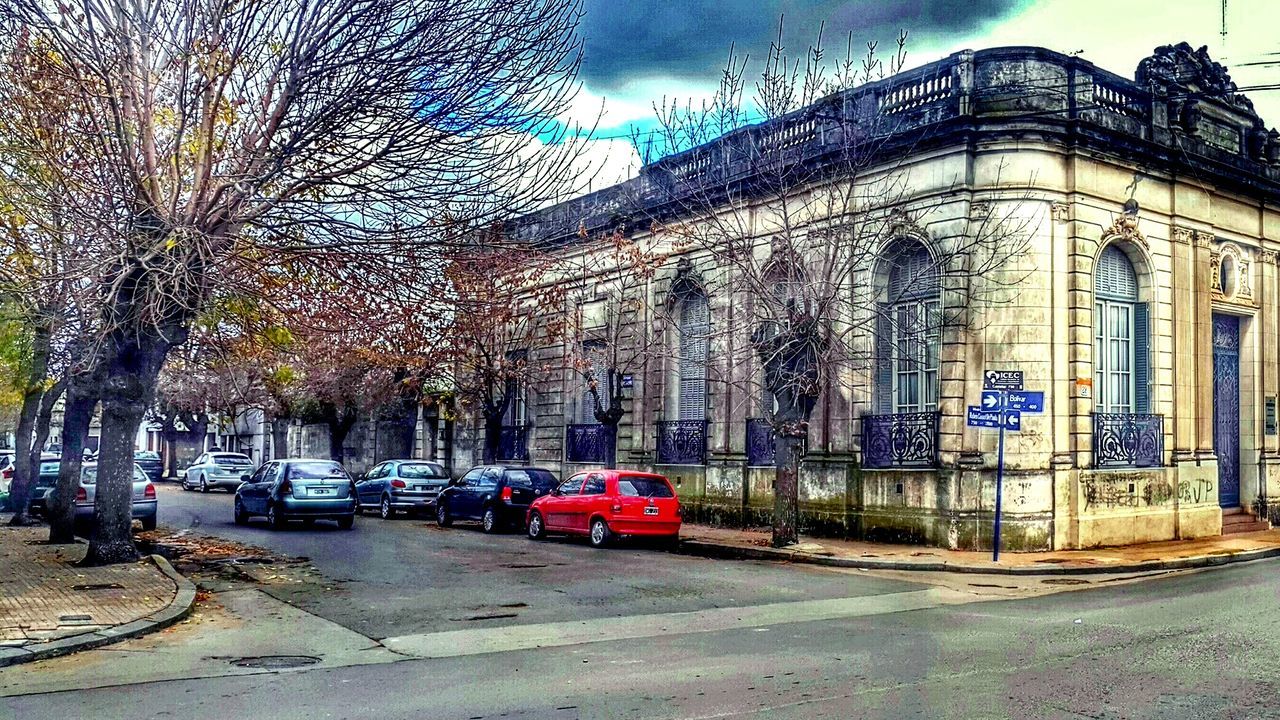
1012 419
991 400
978 417
1002 380
1026 401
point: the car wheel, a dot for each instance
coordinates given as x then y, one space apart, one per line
204 484
443 519
489 521
242 517
148 523
346 523
274 519
600 533
385 511
185 486
537 531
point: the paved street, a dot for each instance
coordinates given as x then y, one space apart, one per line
475 626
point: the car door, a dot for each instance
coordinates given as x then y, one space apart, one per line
246 490
367 489
460 496
482 491
588 501
190 474
558 508
259 488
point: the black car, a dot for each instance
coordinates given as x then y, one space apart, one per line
150 464
496 495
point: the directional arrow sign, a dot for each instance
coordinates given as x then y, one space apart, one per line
978 417
1002 380
990 399
1012 420
1026 401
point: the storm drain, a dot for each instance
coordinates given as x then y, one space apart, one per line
275 662
1065 581
97 586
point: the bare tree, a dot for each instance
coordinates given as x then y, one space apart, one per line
216 139
801 214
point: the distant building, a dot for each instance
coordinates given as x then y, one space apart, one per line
1150 320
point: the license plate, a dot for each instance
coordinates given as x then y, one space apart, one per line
419 488
319 491
651 510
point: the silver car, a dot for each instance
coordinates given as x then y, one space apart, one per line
410 485
301 489
217 470
144 495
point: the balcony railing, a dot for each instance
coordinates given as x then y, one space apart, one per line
1128 440
682 442
513 443
901 440
589 443
760 448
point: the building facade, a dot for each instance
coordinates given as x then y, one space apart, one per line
1146 309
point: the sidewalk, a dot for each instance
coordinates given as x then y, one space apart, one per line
50 607
1173 555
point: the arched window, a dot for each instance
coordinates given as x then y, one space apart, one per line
1120 334
908 331
694 323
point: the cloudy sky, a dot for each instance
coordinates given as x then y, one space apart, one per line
639 51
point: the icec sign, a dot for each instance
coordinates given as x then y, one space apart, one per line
1002 380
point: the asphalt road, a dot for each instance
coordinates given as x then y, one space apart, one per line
637 633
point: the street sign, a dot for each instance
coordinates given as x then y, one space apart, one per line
1012 419
979 417
1026 401
991 399
1002 380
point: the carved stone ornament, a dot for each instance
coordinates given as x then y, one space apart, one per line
901 224
1060 211
1215 274
1181 67
1203 239
1181 235
979 211
686 280
1267 257
1126 227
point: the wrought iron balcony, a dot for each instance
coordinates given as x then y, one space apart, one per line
682 442
901 440
760 448
1128 440
513 443
589 443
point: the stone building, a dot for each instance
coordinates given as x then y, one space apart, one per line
1147 314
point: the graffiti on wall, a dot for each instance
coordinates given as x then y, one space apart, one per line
1196 491
1125 491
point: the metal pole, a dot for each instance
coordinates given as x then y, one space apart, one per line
995 545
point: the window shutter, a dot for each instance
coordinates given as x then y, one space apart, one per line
882 394
1116 279
1141 359
695 320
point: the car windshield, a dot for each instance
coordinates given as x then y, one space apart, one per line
146 455
416 471
89 475
316 471
634 486
231 460
49 468
531 478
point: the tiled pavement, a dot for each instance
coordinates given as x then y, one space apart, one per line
44 596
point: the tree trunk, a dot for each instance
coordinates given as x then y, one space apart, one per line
24 470
77 416
492 438
279 438
398 427
340 424
44 418
786 489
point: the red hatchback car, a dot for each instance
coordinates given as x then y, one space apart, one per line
603 503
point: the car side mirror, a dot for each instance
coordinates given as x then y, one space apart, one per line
555 491
244 478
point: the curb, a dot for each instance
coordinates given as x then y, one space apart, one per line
703 548
180 607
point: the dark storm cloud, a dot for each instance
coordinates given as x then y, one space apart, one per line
626 39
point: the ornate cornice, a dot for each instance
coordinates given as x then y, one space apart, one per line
1181 235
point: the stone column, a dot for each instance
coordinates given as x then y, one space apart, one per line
1184 345
1203 345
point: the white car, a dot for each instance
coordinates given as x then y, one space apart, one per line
217 470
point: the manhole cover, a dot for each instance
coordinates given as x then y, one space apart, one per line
98 586
275 662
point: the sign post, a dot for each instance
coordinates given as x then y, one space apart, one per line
1002 404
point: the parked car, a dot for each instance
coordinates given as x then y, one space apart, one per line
144 494
300 489
150 463
411 485
496 495
46 477
217 470
6 469
602 504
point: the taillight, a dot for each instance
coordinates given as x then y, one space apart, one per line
398 484
82 495
679 510
286 487
506 494
150 492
